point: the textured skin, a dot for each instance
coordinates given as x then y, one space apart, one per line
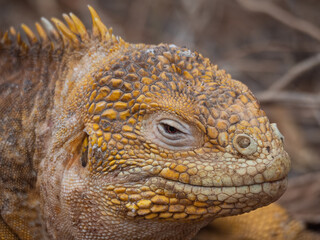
267 223
81 154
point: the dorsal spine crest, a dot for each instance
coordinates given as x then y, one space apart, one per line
59 34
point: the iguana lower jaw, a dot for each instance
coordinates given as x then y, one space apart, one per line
141 203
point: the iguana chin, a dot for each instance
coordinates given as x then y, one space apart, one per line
102 139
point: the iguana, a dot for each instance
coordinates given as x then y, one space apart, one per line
103 139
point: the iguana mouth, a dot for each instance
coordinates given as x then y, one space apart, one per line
271 188
168 199
238 176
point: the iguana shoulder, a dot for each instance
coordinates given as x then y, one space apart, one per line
103 139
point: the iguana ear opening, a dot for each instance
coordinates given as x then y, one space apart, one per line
78 148
84 152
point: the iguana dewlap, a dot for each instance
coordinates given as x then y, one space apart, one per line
102 139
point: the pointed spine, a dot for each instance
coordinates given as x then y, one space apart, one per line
30 35
5 38
101 28
13 31
50 28
19 41
42 33
70 23
110 30
82 31
94 15
66 32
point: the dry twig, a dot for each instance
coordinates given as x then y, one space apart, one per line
283 16
295 71
304 99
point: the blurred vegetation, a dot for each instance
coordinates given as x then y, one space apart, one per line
273 46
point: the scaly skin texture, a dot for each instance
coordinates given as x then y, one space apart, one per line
102 139
267 223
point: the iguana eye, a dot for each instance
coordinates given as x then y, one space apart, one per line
172 129
169 131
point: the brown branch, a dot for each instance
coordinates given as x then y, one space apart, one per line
251 65
295 71
258 47
306 100
283 16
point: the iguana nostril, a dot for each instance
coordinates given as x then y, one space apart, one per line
268 149
244 144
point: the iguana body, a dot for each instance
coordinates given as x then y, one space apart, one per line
102 139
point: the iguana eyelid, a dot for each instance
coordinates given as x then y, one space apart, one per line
171 136
188 136
183 128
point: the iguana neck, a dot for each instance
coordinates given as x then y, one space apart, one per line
33 83
29 79
27 83
35 88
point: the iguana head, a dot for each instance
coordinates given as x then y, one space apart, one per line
154 142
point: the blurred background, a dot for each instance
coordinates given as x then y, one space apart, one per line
273 46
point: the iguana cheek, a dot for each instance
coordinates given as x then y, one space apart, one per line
72 196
